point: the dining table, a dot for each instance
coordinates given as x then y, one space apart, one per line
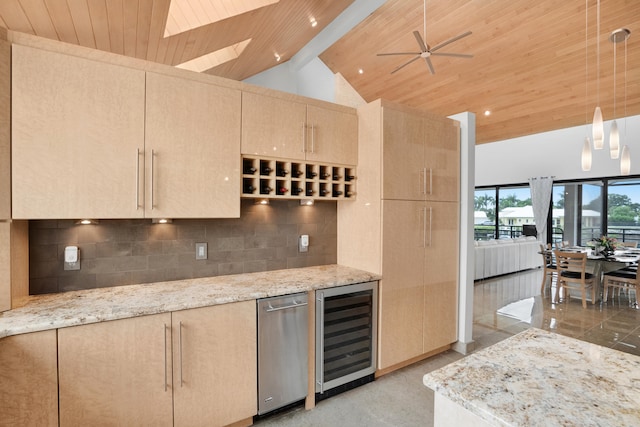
598 264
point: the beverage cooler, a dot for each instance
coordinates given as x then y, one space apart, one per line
346 319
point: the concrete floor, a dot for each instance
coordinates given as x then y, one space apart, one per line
502 307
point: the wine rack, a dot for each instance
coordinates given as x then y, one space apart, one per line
291 179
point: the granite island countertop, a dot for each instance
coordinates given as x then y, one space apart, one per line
51 311
539 378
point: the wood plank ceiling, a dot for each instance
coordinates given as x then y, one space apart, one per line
528 66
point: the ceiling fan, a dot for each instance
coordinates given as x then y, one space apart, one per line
425 51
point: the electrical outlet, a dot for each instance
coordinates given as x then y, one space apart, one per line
201 251
303 243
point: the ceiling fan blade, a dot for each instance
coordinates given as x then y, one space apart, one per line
423 46
406 63
428 60
456 38
457 55
398 53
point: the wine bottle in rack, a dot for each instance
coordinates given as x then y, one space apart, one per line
281 171
336 177
266 190
297 171
324 192
350 178
311 174
249 189
337 193
265 170
282 190
296 190
310 192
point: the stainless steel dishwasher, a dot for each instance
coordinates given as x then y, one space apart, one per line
282 351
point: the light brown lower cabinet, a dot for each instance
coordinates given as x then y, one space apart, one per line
187 368
28 382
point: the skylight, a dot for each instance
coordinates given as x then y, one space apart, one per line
186 15
213 59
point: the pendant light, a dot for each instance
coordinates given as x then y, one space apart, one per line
586 145
598 125
614 135
617 36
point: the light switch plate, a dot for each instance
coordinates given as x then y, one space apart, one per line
303 243
201 250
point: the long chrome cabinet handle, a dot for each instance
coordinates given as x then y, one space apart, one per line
430 221
180 349
153 156
424 181
137 178
320 382
304 137
431 181
424 227
313 138
165 356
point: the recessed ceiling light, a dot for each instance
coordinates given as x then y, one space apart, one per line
487 113
313 22
277 57
360 71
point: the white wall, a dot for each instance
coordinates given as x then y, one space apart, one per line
555 153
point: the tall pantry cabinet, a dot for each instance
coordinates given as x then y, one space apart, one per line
404 226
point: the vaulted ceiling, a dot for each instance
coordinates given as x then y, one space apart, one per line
528 66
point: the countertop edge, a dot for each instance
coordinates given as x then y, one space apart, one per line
74 308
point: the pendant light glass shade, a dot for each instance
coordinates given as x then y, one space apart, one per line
614 141
586 154
598 130
625 161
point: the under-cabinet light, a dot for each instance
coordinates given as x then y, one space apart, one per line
307 202
261 202
161 221
87 221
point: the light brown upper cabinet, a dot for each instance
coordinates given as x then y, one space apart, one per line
89 140
421 159
192 149
293 129
77 137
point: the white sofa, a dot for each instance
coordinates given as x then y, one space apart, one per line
498 257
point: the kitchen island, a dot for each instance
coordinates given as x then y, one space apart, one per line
52 311
538 378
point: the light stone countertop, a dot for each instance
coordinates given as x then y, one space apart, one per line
51 311
539 378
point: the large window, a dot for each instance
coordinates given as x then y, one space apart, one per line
485 214
580 211
623 210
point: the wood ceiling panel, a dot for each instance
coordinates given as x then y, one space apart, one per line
79 10
528 65
62 21
39 18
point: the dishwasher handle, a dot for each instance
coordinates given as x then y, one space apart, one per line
270 308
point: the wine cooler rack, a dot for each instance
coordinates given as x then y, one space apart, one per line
289 179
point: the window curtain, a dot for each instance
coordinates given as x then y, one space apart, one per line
541 188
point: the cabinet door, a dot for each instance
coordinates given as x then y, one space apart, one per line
116 373
401 289
441 275
192 149
403 167
77 129
28 380
333 136
273 127
442 159
215 366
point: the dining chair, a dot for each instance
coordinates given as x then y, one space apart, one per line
632 245
573 275
620 280
549 265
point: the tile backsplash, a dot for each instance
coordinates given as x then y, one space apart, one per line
121 252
